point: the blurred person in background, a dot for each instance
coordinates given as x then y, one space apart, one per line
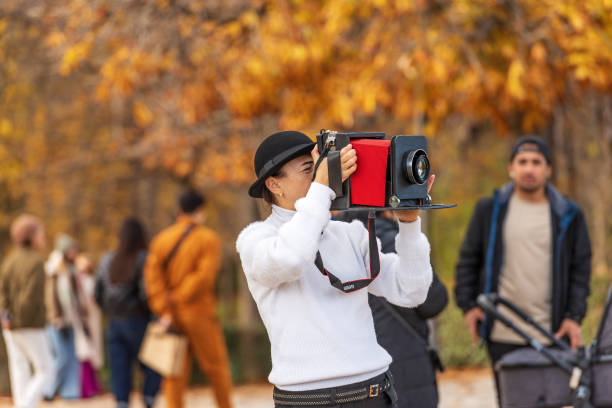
529 244
66 315
22 308
404 331
119 290
89 348
182 294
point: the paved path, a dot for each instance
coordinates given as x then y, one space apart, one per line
458 389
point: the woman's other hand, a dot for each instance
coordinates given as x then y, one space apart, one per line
412 215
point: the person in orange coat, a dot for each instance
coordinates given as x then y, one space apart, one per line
183 297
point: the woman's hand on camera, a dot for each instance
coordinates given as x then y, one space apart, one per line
348 163
412 215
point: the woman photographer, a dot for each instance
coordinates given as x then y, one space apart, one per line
324 348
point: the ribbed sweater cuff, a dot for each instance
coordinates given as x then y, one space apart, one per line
410 241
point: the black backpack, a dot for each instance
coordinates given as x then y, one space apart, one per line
126 299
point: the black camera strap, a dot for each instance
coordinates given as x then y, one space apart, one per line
352 286
322 155
334 169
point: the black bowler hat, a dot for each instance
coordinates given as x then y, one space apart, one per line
273 152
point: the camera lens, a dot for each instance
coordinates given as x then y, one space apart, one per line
421 168
416 166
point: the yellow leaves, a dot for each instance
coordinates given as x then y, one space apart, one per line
198 100
56 39
369 102
102 93
3 25
256 67
128 68
538 52
74 55
250 99
233 29
404 6
533 119
207 27
577 20
405 65
514 81
298 53
338 16
6 127
230 164
342 109
142 114
298 109
249 19
438 71
420 56
313 61
589 55
186 25
581 62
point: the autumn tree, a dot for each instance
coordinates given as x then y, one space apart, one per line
109 106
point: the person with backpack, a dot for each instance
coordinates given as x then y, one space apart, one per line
120 293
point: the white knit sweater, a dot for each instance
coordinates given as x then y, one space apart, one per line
320 336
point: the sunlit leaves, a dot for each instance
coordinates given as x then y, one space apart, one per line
170 67
515 81
142 114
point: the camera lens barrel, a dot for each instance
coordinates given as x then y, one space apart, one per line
416 166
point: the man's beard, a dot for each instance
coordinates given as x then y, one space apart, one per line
529 188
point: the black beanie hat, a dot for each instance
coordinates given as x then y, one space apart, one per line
274 152
540 146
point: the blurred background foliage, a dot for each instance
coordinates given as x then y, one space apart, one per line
110 107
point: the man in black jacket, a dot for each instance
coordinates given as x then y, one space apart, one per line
531 245
403 331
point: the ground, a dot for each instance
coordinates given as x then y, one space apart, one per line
458 389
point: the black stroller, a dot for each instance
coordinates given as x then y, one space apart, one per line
547 377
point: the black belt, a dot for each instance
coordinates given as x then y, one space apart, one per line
372 388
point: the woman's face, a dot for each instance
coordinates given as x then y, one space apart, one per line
293 181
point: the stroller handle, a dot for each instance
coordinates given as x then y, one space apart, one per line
489 301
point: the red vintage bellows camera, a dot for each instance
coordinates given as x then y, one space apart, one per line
391 174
